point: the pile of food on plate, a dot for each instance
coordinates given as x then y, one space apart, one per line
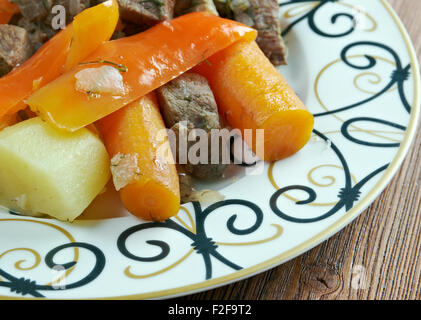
95 100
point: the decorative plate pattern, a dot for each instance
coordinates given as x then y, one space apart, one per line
353 64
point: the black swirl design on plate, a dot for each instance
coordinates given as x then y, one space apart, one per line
347 195
347 134
311 16
24 286
202 244
398 76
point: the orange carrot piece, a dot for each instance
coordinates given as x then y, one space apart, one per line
7 6
138 130
9 120
49 61
252 94
7 11
5 17
152 58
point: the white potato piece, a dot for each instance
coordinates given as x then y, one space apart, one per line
44 170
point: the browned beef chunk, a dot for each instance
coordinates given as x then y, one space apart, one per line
186 186
223 8
34 10
187 6
75 6
15 47
146 12
40 10
264 16
189 100
118 35
131 28
36 17
38 32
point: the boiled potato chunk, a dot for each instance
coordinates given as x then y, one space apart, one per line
49 171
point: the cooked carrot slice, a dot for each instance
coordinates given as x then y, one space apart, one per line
7 10
136 140
252 94
9 120
7 6
5 17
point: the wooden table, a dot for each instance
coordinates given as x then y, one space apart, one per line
385 239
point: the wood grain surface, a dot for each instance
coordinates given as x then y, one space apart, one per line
375 257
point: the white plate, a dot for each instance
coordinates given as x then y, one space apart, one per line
354 66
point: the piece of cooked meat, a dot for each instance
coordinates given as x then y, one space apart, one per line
118 35
40 10
186 186
223 8
189 99
38 31
34 10
130 28
146 12
15 47
264 16
37 16
187 6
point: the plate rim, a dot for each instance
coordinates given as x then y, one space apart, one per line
321 236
